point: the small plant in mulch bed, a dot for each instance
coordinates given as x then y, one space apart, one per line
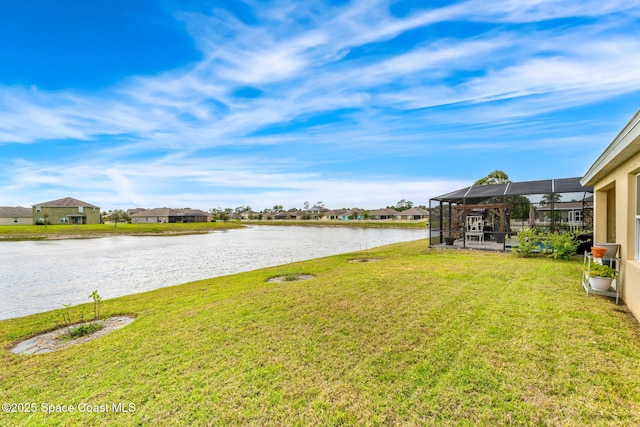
96 304
85 328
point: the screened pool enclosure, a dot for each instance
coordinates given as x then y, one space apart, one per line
489 216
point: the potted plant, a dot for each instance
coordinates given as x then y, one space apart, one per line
600 277
452 234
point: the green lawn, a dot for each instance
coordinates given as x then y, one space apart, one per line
34 232
418 337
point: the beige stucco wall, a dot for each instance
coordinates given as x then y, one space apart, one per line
614 216
149 219
21 221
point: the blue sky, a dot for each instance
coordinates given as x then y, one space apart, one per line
208 104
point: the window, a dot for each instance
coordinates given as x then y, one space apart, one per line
15 219
80 209
38 208
575 216
64 220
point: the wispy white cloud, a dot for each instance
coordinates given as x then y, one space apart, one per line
542 10
197 100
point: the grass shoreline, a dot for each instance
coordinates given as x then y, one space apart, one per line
421 336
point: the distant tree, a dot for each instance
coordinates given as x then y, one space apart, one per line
521 205
403 205
306 206
495 177
548 198
241 209
220 214
117 215
277 208
217 213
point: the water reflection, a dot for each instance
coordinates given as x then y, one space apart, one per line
43 275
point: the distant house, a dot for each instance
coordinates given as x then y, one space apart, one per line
299 215
384 214
134 211
414 213
317 212
249 215
65 211
246 215
334 214
15 215
281 215
168 215
344 214
570 213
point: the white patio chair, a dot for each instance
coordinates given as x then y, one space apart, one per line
475 228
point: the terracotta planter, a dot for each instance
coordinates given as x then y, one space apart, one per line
598 252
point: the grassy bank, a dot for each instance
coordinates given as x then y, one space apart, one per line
35 232
414 337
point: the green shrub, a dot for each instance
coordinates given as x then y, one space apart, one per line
529 242
562 245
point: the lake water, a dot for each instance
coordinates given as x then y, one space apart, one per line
37 276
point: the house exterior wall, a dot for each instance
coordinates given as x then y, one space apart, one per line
56 214
12 221
615 222
152 219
